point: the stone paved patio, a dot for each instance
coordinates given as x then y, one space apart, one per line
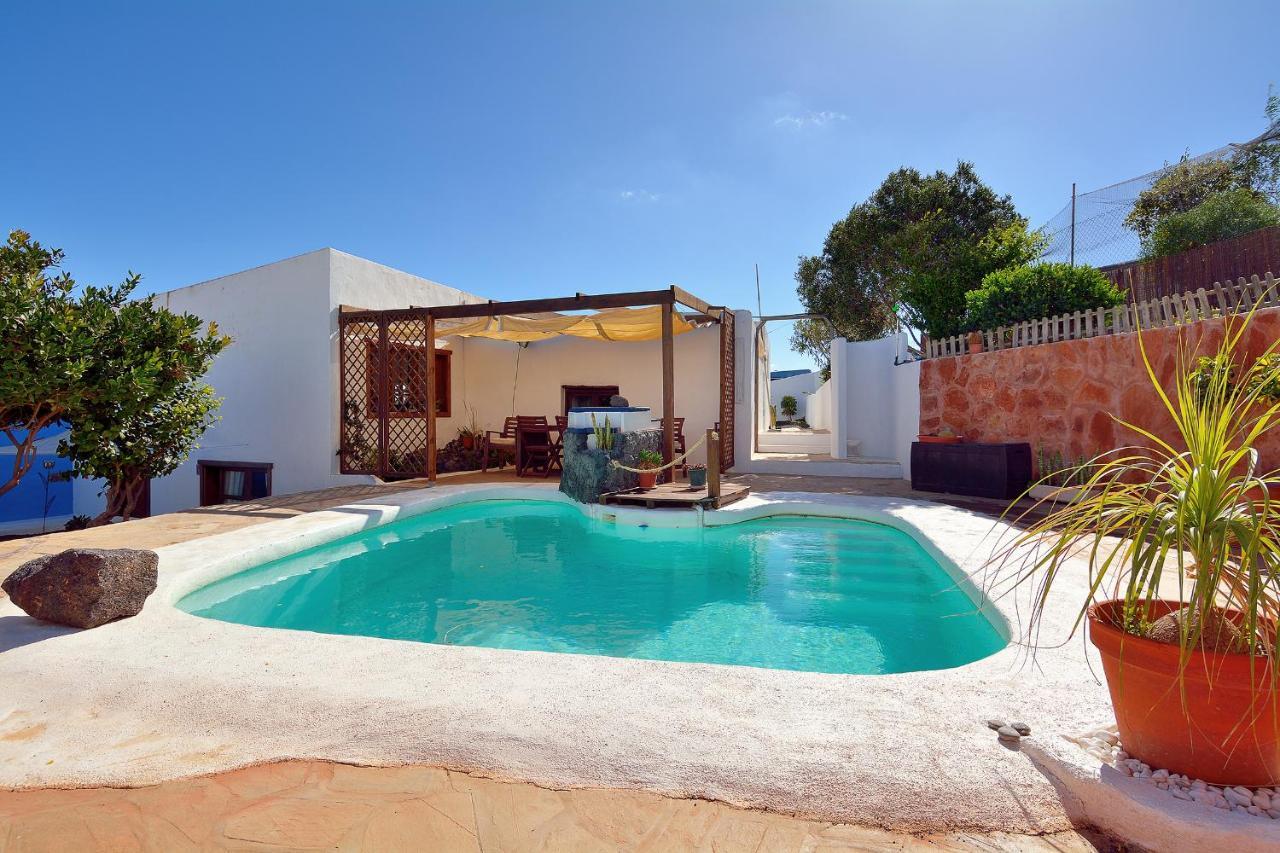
318 806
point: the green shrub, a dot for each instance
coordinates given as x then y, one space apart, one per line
1018 294
1219 217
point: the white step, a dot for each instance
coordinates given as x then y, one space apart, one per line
820 443
820 466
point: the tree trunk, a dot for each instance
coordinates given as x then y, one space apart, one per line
25 449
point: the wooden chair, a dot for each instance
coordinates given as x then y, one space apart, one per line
534 448
557 446
503 442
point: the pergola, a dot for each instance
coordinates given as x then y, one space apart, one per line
377 345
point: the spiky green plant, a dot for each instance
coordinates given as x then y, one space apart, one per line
1195 510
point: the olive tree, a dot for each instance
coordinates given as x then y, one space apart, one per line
910 252
49 337
148 406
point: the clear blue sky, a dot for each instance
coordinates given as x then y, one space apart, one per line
521 149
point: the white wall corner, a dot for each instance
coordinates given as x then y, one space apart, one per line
838 356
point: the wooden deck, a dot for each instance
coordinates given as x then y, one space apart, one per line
677 496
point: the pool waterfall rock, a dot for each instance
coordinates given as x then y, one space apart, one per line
84 587
588 471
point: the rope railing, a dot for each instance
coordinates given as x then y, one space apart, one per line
677 460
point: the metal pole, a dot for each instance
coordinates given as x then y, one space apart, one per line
1073 223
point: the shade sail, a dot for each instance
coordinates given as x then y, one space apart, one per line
612 324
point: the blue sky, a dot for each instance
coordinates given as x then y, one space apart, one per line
525 149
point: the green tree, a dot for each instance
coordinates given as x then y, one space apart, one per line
48 340
147 406
788 406
1219 217
1252 169
909 253
1018 294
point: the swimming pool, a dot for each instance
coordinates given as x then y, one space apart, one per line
822 595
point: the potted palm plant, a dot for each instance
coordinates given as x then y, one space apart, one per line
1184 610
649 461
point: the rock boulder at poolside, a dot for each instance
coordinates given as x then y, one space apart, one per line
84 587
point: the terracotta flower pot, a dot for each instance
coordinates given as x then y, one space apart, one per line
648 479
1228 732
975 342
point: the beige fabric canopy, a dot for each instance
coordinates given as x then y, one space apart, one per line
611 324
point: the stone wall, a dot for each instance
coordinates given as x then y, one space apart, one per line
588 473
1062 396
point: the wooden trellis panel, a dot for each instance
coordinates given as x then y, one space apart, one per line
728 378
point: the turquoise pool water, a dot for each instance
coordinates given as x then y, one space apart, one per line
786 593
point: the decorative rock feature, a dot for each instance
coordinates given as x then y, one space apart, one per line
587 471
995 725
84 587
1104 745
1008 734
1021 728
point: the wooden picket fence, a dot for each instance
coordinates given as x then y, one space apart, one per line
1176 308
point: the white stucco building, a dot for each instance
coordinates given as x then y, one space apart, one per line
279 380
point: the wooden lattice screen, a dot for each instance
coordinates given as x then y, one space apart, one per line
728 358
383 374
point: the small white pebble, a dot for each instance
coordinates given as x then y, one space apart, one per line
1254 810
1262 801
1180 794
1199 785
1243 791
1125 769
1274 814
1160 775
1121 755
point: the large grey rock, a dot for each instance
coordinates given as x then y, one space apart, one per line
84 587
588 473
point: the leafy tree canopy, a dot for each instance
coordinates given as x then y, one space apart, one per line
1221 216
1253 169
910 252
1018 294
49 336
123 373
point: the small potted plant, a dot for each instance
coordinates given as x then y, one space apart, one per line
649 461
698 476
1194 679
469 432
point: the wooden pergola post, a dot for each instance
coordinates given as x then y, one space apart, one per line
668 389
431 398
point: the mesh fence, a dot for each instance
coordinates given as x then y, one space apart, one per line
1101 237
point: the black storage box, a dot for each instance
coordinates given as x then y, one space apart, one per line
969 468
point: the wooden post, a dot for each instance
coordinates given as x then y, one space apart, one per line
431 398
668 389
713 464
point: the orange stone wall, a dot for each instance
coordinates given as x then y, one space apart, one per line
1062 396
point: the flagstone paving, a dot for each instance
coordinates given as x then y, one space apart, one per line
305 805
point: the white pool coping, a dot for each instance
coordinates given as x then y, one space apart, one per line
167 694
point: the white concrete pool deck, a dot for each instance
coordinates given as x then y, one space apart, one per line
166 694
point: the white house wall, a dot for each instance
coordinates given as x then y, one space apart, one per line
279 377
800 386
272 379
883 399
